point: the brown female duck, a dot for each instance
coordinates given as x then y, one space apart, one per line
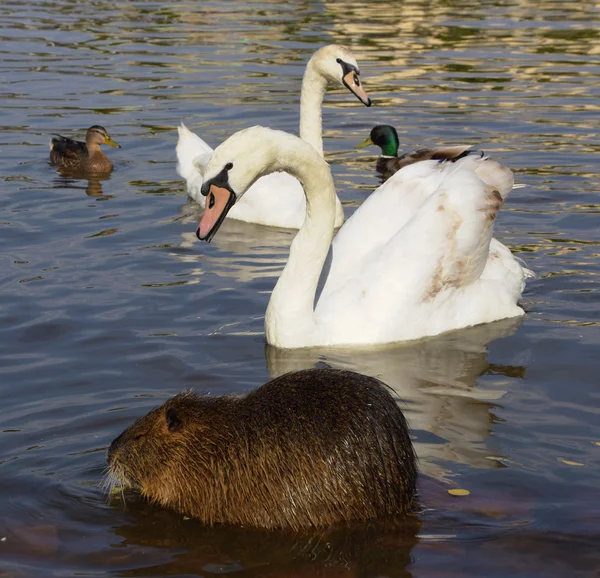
85 157
386 137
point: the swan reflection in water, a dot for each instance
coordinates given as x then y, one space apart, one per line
246 251
436 378
436 381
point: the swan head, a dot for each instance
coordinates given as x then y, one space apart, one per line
337 64
234 167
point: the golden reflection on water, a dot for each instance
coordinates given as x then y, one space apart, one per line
419 42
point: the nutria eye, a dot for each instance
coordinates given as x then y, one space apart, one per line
173 421
211 201
228 166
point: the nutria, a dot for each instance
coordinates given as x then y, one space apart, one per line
307 449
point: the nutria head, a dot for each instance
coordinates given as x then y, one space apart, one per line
307 449
164 453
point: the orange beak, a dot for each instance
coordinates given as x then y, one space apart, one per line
218 202
351 81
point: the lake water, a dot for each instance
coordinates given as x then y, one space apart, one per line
109 304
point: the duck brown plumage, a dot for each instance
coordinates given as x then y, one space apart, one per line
84 157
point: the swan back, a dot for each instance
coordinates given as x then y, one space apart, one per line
402 195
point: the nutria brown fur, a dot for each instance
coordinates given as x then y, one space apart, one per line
308 449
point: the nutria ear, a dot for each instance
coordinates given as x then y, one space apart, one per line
173 421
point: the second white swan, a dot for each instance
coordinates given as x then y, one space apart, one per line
425 279
278 199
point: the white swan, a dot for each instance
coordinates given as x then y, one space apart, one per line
278 199
425 279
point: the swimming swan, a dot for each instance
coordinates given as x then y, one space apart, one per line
278 199
430 276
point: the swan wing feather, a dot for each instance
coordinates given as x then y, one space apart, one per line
429 274
193 155
380 217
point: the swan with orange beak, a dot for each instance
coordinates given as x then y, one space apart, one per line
278 199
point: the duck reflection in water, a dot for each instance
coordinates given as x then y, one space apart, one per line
93 188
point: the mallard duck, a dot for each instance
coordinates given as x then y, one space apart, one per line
417 258
277 200
386 137
86 156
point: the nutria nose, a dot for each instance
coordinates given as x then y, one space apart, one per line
114 447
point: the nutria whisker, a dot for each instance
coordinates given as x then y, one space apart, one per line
105 483
114 479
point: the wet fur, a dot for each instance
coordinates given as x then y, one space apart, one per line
308 449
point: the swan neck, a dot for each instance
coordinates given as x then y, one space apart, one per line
290 319
314 85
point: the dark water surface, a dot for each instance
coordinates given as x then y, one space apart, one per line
109 305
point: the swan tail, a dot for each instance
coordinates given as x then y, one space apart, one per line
491 172
471 204
496 176
527 273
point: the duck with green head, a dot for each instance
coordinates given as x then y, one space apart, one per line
385 137
85 157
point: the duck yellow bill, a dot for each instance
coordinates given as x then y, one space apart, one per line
364 143
111 143
352 83
218 202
